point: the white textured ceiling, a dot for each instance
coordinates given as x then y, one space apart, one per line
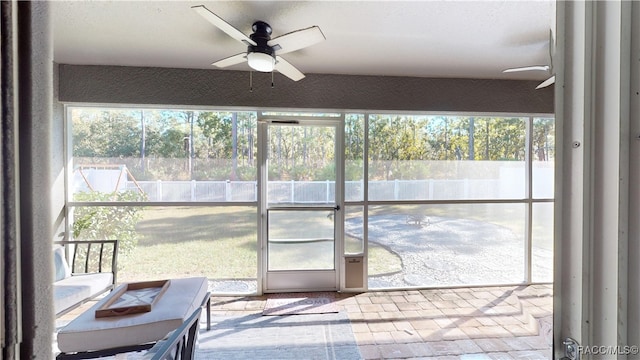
461 39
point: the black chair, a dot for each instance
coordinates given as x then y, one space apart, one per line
179 344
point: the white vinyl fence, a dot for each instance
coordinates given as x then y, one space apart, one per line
318 192
507 183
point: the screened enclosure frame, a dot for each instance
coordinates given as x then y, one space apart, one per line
528 201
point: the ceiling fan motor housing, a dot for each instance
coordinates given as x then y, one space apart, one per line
261 35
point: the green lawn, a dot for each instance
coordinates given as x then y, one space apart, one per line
216 242
221 242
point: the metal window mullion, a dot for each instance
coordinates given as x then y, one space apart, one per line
528 240
365 200
339 187
454 202
158 204
301 208
262 201
67 155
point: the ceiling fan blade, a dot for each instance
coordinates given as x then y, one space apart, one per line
296 40
528 68
231 60
288 70
547 82
223 25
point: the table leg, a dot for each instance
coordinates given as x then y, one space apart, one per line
209 313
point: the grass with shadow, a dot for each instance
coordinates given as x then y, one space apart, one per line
216 242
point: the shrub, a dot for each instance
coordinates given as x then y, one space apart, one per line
108 222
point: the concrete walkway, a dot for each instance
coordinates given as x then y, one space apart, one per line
440 252
449 252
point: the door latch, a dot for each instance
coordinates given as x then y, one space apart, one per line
571 351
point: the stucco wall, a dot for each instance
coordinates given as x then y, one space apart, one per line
195 87
57 161
35 148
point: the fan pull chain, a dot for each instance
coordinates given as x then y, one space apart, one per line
272 79
250 81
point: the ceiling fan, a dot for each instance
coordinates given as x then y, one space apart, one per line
263 52
547 68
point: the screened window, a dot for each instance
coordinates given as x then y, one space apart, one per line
127 169
446 157
162 155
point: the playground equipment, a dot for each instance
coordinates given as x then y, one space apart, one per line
103 178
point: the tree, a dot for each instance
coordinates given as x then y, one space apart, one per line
182 145
143 141
543 139
216 128
105 133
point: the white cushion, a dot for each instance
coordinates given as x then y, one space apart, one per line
62 269
77 288
86 333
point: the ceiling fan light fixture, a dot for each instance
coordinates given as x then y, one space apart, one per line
261 62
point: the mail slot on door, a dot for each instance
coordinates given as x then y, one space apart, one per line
354 272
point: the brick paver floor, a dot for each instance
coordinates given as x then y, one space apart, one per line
507 322
483 323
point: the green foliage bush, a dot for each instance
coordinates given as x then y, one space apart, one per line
108 222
